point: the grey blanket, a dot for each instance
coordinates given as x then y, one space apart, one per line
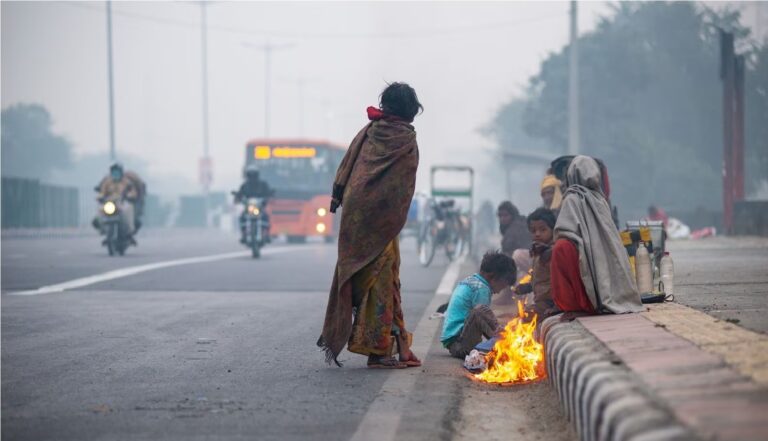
585 219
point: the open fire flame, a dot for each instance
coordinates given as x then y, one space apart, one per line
516 357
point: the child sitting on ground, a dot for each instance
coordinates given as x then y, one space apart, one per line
541 224
469 317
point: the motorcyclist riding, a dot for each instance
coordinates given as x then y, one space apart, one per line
253 187
120 188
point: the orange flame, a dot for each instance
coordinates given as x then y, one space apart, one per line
517 356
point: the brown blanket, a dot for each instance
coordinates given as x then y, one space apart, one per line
377 177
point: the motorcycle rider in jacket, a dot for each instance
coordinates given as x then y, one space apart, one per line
120 188
253 187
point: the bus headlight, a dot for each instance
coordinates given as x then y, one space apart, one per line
321 212
320 227
110 208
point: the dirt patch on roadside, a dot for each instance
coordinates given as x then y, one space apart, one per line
529 412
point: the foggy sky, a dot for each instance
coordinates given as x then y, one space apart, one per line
464 59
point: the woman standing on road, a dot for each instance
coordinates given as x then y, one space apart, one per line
375 184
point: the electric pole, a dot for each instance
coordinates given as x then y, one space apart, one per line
573 84
267 48
112 153
205 162
301 83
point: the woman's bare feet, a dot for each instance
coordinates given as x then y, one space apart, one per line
406 355
384 362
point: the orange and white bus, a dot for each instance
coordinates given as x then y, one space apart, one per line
301 171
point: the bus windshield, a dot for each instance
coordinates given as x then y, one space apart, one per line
295 168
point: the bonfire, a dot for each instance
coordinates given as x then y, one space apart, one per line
516 357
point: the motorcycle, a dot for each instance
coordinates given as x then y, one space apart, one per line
256 225
443 227
113 227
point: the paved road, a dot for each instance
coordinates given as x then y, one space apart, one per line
29 263
221 350
726 277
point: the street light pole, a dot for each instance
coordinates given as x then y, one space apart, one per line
301 83
573 84
205 165
112 153
267 48
267 85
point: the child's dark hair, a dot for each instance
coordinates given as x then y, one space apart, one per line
543 214
399 99
499 265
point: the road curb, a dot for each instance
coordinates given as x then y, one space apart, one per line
601 397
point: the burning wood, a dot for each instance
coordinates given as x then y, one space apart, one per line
516 357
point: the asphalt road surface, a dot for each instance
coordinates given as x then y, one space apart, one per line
726 277
225 350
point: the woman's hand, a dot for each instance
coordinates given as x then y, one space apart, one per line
334 204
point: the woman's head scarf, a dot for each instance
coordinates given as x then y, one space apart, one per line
585 219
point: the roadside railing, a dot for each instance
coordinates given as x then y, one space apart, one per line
28 203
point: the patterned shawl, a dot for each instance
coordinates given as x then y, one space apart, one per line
375 184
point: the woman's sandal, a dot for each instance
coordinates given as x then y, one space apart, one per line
386 363
411 361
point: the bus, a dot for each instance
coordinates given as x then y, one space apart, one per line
301 171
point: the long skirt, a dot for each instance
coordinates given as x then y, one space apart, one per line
568 290
378 314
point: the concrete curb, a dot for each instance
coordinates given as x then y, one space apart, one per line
599 395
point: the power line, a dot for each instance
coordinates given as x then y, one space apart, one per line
486 27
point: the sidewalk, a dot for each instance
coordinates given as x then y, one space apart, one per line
673 372
444 404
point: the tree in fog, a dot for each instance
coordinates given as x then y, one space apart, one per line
650 103
29 148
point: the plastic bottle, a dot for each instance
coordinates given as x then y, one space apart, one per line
667 274
643 271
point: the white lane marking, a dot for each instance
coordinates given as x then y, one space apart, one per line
448 282
382 419
133 270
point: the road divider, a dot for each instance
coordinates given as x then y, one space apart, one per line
138 269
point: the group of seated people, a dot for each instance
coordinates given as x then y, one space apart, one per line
571 249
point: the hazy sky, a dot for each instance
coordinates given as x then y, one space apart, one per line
465 59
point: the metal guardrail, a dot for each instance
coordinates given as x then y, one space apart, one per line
28 203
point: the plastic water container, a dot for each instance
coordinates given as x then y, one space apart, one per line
667 270
643 270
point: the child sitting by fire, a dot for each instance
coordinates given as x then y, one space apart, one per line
468 317
541 224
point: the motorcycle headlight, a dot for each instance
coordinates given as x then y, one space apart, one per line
321 212
254 210
110 208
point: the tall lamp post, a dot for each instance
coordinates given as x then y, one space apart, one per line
206 167
573 84
112 153
268 48
300 83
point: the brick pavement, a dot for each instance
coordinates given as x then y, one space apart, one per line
696 366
